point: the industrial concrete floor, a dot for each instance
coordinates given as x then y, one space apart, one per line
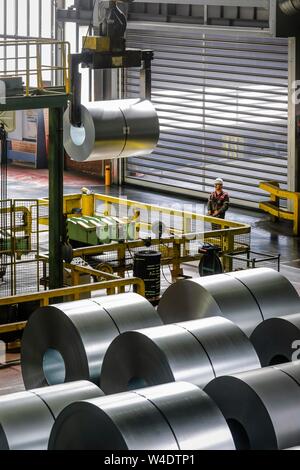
266 236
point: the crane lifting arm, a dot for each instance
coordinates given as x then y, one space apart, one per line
108 51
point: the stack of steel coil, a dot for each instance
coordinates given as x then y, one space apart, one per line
244 297
26 418
195 352
174 416
68 341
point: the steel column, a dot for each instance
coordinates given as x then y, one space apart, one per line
56 220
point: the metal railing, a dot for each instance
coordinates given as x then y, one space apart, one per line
273 207
31 59
76 291
183 231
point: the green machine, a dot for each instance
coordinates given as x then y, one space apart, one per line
98 230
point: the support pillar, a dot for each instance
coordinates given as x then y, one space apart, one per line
56 219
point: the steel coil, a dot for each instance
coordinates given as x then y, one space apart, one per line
261 407
244 297
217 295
129 311
177 416
118 422
274 294
290 7
276 340
57 397
26 418
112 129
196 421
67 342
194 352
292 369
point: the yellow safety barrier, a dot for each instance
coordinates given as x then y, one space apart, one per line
45 296
35 69
273 205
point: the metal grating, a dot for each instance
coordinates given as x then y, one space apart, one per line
223 108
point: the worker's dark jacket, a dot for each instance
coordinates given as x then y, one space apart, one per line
218 202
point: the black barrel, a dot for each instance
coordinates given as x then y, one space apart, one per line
210 262
146 266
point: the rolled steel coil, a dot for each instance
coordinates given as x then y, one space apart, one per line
261 407
244 297
217 295
129 311
112 129
177 416
277 340
290 7
273 292
194 352
292 369
67 342
26 418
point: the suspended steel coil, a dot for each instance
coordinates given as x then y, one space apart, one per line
290 7
177 416
195 352
112 129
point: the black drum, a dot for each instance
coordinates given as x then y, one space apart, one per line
146 266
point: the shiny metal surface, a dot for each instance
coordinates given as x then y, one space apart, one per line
218 295
80 331
262 408
58 397
290 7
274 294
74 337
142 127
154 356
25 422
277 339
26 418
292 369
113 129
194 352
196 421
118 422
229 349
129 311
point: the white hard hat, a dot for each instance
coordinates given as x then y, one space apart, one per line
219 181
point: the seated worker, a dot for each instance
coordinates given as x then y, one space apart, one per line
218 202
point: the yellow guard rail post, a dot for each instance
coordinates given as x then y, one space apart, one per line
273 205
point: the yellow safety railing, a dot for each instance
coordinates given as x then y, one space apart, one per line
32 59
87 204
230 236
45 297
273 208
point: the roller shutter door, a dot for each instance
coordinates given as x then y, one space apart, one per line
223 108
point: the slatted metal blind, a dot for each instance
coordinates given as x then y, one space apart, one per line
223 109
